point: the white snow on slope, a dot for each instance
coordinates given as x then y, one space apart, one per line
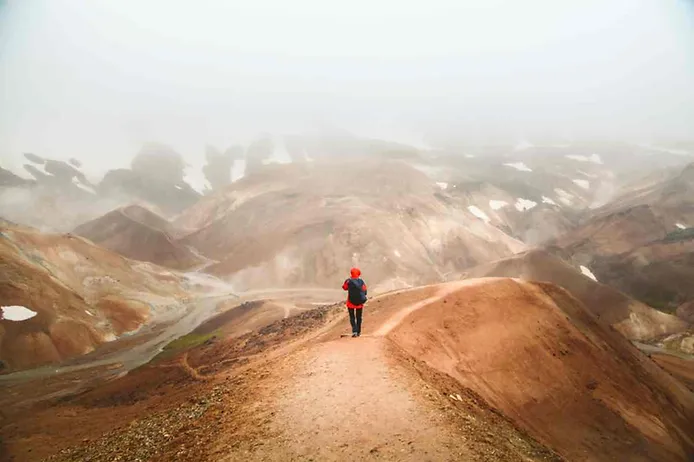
585 184
589 273
469 156
678 152
15 164
548 200
523 145
178 187
41 168
524 204
238 169
564 197
442 185
17 313
280 155
76 181
478 213
594 158
520 166
681 226
397 253
194 176
589 175
496 205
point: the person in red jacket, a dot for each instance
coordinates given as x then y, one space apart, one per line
356 297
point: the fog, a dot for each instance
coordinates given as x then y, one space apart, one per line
94 80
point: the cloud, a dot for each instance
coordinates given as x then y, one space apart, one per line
97 79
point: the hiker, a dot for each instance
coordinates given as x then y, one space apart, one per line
356 297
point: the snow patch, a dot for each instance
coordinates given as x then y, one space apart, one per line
523 145
196 179
178 187
678 152
238 169
524 204
520 166
564 197
442 185
469 156
478 213
594 158
397 253
496 205
76 181
17 313
41 168
589 273
548 200
681 226
89 312
280 155
585 184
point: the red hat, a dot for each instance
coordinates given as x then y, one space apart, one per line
355 272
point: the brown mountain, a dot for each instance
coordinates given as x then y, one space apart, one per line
305 224
635 320
139 234
485 369
80 295
642 242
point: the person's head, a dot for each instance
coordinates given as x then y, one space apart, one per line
355 272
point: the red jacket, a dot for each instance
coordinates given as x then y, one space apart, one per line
354 273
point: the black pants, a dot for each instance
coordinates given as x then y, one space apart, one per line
355 319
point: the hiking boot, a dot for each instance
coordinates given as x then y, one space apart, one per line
358 334
354 334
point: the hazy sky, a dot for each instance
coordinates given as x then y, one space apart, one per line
94 79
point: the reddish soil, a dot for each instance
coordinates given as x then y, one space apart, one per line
476 370
633 319
682 369
535 353
137 233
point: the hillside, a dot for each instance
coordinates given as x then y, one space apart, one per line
139 234
534 352
300 225
640 243
635 320
487 369
76 296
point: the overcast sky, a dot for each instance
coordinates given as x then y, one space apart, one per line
94 79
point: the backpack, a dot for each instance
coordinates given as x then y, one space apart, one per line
356 294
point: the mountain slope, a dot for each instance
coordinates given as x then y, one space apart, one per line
641 243
139 234
302 224
487 369
80 296
534 352
635 320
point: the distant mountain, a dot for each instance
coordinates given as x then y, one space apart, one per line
641 242
158 176
635 320
139 234
304 224
62 296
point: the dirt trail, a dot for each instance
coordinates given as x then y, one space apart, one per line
348 399
445 289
